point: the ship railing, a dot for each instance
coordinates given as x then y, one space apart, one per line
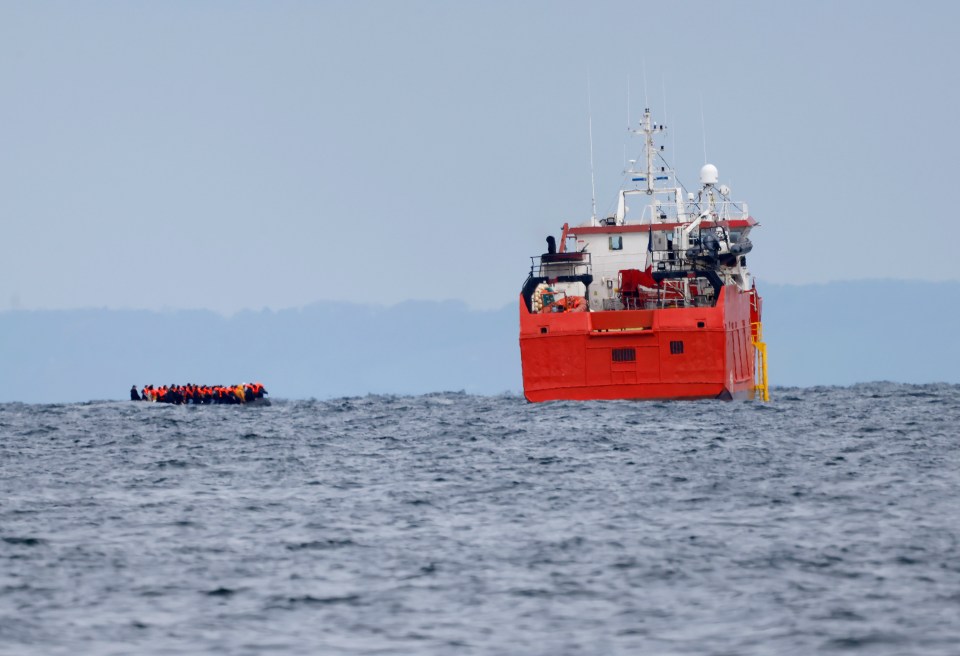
725 210
667 261
692 290
640 302
657 301
553 265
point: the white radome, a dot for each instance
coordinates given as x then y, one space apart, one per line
708 175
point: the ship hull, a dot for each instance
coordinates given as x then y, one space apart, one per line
671 353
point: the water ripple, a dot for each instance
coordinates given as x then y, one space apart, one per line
826 521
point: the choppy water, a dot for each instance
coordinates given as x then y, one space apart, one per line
826 521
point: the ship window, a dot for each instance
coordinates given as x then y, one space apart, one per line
625 355
616 242
676 347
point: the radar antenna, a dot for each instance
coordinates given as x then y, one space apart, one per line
593 185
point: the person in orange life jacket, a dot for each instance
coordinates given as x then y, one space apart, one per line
194 394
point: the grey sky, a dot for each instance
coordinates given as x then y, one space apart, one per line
228 155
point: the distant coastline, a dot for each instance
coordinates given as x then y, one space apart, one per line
837 333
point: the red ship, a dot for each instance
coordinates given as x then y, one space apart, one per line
657 305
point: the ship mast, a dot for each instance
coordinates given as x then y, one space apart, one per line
649 148
649 176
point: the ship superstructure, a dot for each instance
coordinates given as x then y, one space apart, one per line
653 304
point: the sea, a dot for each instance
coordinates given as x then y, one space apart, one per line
826 521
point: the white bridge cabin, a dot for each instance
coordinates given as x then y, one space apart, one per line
679 252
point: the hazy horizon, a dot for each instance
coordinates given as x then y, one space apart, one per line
817 334
511 302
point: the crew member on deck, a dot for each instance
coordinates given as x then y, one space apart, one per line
134 394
